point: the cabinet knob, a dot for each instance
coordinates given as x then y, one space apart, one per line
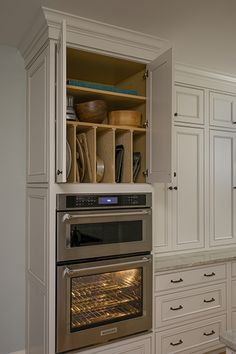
170 188
175 188
176 114
59 172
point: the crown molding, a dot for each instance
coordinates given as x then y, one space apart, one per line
84 30
204 77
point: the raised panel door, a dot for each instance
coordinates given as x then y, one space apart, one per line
37 119
189 105
188 188
222 192
222 110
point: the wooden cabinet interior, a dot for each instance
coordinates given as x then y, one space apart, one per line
102 139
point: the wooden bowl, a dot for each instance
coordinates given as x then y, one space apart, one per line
124 117
92 111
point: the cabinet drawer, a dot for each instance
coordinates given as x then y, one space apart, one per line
189 104
189 304
234 269
179 279
197 337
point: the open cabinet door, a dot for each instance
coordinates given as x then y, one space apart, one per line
61 107
159 116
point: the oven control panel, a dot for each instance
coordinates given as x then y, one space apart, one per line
81 201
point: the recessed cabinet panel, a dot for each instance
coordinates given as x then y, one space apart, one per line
189 105
222 194
188 188
37 233
159 113
162 235
37 120
36 311
222 110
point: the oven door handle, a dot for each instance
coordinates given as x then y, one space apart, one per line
70 272
67 216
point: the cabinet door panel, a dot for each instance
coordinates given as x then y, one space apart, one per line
162 207
189 105
61 107
222 195
159 113
188 199
37 120
222 110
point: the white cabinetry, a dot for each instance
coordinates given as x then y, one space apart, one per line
222 109
189 104
61 47
222 183
197 209
190 309
233 294
179 224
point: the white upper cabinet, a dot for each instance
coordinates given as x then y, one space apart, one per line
159 112
189 104
222 188
124 82
222 110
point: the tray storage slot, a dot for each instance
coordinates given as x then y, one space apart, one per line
106 152
139 148
71 140
123 160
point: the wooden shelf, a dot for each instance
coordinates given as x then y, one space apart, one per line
114 100
105 126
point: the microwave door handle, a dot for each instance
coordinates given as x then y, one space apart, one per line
70 272
67 216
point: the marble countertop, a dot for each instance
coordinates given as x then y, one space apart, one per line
179 261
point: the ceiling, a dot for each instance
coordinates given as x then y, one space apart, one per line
202 31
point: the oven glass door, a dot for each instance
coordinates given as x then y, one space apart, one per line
88 235
99 301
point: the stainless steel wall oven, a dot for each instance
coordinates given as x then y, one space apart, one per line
104 268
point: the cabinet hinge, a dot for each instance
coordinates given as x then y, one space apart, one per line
145 173
145 75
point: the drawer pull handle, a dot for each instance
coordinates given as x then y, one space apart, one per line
180 307
211 300
209 275
209 334
177 343
176 281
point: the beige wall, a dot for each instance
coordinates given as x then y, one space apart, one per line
12 200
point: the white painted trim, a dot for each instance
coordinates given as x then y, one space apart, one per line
19 352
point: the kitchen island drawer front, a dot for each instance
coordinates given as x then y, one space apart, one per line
179 279
198 337
234 269
189 304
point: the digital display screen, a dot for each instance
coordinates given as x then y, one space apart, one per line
107 200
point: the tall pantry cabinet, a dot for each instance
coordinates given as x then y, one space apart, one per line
61 47
197 210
